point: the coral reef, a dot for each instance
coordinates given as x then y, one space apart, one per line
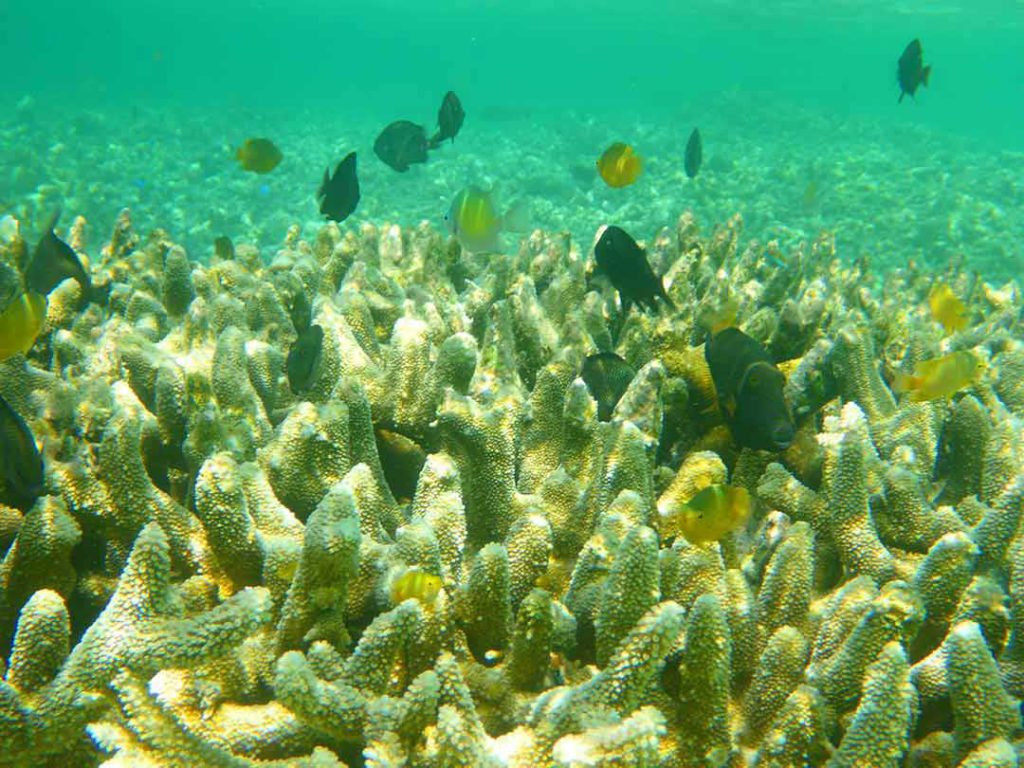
210 577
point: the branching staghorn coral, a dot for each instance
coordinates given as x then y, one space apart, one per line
221 573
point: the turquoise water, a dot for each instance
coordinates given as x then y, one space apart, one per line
108 104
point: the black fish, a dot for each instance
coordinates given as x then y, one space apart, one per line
910 71
339 194
21 466
224 248
626 265
301 313
402 144
694 154
303 361
449 119
607 376
749 389
53 262
401 459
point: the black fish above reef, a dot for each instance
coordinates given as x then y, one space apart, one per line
401 144
401 458
301 313
911 73
303 361
625 263
694 154
223 248
21 466
339 194
449 119
53 262
607 376
749 389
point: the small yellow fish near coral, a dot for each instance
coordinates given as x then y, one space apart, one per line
713 512
942 377
417 584
619 166
947 308
258 155
20 324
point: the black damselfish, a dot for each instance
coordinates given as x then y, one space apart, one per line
303 361
21 466
339 194
694 154
449 119
607 376
401 144
625 263
53 262
749 389
911 73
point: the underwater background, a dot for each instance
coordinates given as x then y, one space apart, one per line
109 104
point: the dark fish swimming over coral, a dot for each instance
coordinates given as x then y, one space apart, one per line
607 376
694 154
402 459
300 312
304 357
21 466
911 72
339 194
449 120
223 248
258 155
53 262
749 389
625 263
401 144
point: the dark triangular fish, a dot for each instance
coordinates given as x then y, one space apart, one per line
21 466
910 71
607 376
304 359
339 194
301 313
53 262
402 459
749 389
625 263
694 154
224 248
449 119
402 144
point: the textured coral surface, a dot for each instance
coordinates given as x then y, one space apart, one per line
218 573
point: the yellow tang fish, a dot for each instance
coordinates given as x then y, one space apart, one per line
947 308
619 166
258 155
942 377
475 221
713 512
20 324
417 584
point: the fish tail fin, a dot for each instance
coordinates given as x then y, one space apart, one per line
435 141
665 297
900 99
926 74
517 217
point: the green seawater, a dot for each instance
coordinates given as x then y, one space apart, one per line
107 104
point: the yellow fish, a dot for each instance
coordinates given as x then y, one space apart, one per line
474 219
713 512
619 166
20 324
417 584
942 377
258 155
947 308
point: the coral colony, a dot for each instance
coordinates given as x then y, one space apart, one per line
439 555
